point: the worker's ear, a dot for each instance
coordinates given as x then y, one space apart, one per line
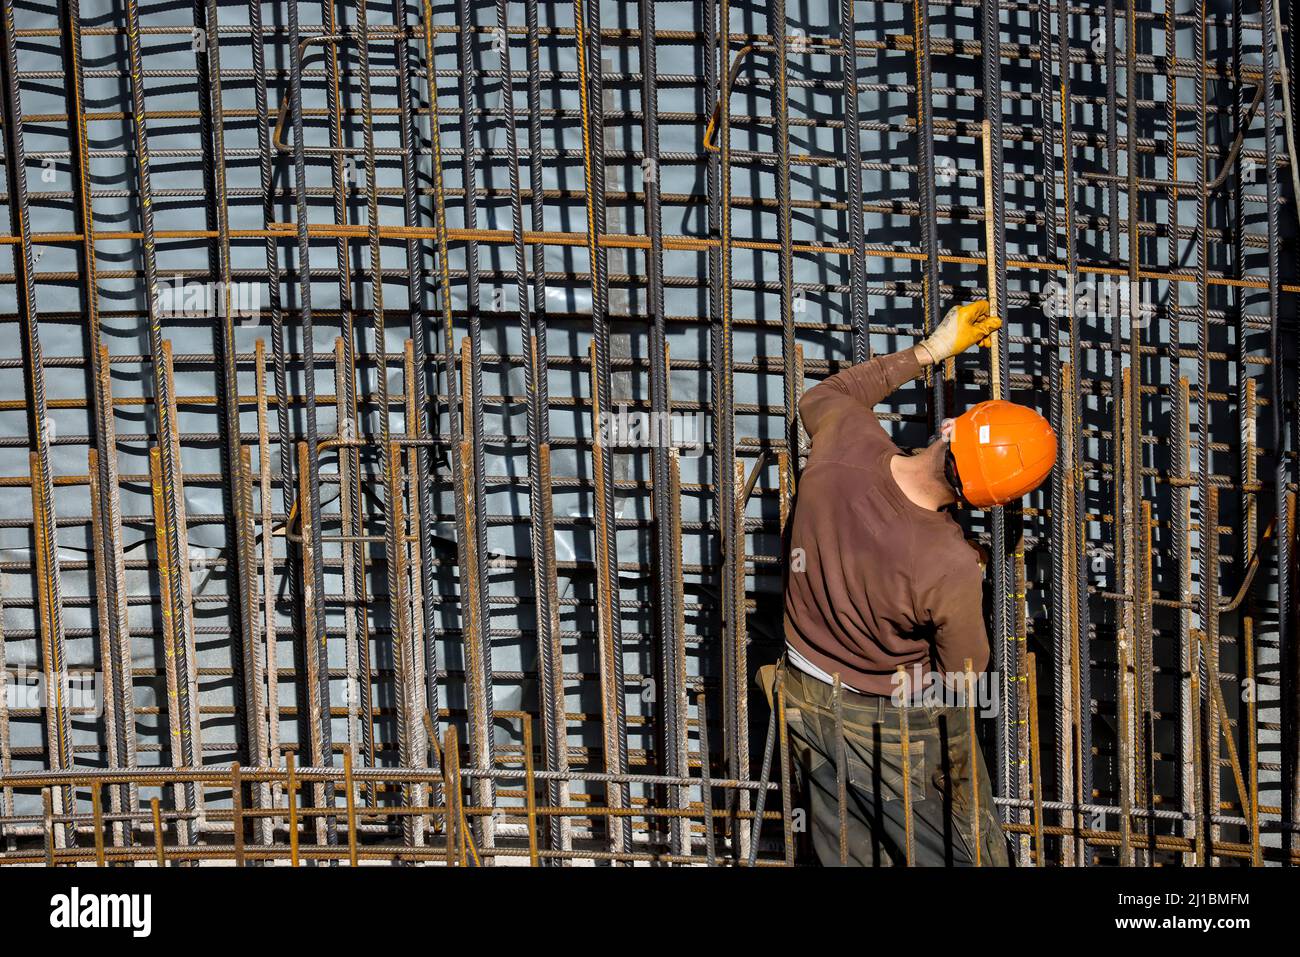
945 429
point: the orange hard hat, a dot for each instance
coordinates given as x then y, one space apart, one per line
1001 451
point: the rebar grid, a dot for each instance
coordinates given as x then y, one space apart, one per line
332 477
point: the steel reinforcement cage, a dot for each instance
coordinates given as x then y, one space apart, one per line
400 421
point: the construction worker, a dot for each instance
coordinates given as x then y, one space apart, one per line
879 576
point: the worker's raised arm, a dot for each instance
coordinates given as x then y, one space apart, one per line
868 383
861 387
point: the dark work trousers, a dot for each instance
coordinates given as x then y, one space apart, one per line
944 813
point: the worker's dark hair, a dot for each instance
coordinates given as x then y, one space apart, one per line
950 471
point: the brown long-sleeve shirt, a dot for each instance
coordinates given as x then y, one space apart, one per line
874 580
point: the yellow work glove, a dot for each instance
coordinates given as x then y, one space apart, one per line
961 328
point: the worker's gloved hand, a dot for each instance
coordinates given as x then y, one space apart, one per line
961 328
